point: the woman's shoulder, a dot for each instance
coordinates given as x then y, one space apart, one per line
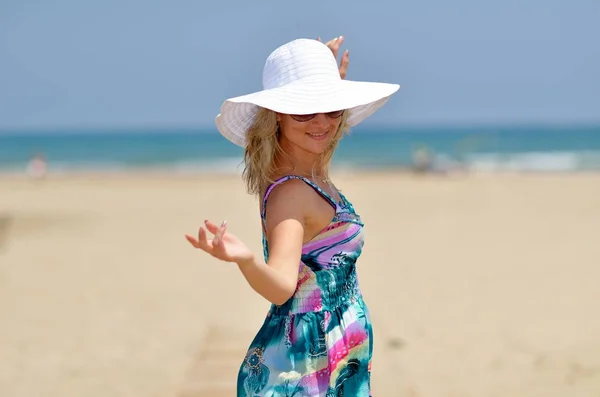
292 199
287 187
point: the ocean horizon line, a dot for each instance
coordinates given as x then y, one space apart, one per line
379 127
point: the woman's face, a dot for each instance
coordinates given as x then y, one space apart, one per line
309 133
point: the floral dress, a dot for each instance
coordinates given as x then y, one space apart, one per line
320 342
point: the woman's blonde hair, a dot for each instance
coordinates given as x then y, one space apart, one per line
262 150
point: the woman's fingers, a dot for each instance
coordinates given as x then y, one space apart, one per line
216 247
218 232
211 226
218 239
344 64
335 44
192 240
203 242
200 242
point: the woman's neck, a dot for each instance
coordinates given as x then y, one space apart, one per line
303 164
307 167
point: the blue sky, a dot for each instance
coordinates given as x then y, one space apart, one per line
133 63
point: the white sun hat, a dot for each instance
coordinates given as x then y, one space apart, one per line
302 77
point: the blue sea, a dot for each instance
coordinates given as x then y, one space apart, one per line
487 148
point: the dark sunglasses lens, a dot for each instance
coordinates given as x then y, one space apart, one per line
306 117
303 117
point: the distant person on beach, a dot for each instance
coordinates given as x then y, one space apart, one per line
422 160
317 338
37 167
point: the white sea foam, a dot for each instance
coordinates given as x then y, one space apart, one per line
564 161
534 161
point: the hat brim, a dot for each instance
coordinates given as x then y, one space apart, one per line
360 98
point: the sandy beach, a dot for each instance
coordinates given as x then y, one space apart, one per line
478 286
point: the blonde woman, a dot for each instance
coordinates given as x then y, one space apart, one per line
317 338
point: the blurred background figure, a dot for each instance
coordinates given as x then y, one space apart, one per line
422 160
37 166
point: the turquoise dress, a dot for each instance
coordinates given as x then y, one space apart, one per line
320 342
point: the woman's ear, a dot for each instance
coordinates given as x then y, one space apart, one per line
278 117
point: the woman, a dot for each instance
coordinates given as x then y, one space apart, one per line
317 338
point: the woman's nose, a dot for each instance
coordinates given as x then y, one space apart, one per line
321 119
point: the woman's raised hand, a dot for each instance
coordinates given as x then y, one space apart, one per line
223 245
334 45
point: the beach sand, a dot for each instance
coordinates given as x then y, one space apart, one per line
480 285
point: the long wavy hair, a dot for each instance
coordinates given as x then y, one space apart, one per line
263 148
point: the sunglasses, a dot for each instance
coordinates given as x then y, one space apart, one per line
307 117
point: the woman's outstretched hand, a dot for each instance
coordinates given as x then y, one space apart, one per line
223 245
334 45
